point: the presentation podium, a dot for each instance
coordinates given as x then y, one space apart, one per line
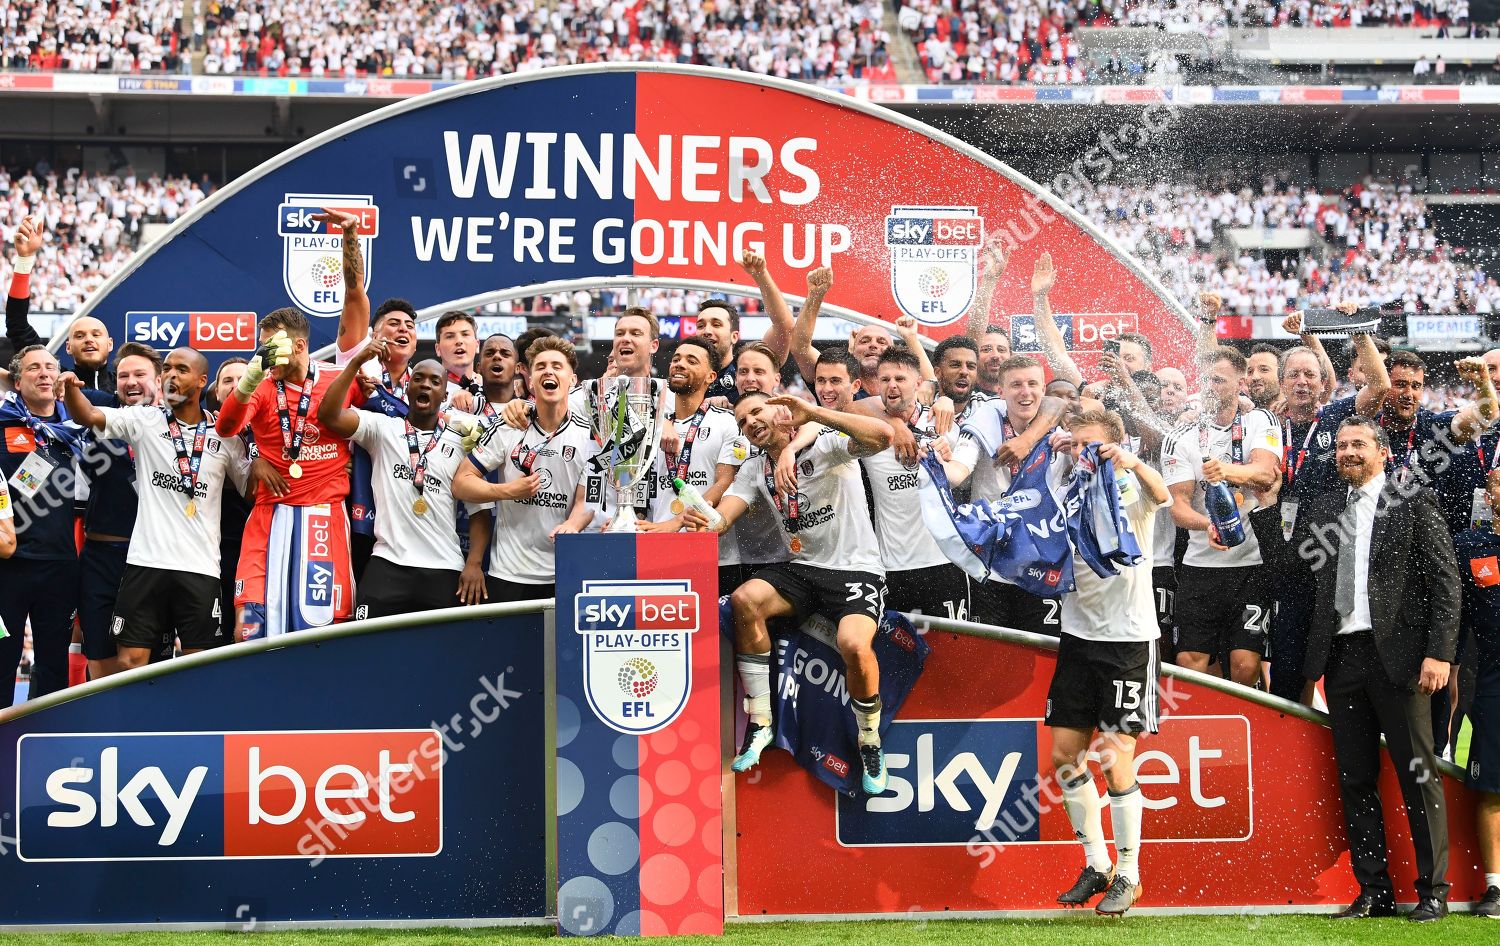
638 762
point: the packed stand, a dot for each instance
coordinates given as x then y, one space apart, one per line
825 40
95 222
74 36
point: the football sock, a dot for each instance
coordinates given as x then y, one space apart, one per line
755 676
867 714
1081 801
1125 811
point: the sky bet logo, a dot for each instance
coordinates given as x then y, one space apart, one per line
1079 332
637 650
297 220
974 782
205 331
212 796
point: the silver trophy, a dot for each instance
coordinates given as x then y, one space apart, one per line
625 418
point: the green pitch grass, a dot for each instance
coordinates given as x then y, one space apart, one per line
1145 930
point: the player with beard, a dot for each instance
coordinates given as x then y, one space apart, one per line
497 369
1263 376
835 568
416 564
919 577
278 399
87 340
540 490
1172 400
992 341
756 540
865 347
457 344
110 517
1420 437
1025 417
956 362
719 325
702 430
170 588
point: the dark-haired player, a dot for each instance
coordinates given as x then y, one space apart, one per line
719 325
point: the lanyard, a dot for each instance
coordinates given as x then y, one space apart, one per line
1479 449
791 513
187 463
38 429
524 458
1236 440
685 455
488 414
397 390
291 437
1411 439
1292 469
468 384
419 458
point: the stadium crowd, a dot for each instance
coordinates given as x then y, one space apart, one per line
1202 534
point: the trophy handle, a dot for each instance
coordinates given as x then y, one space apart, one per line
642 465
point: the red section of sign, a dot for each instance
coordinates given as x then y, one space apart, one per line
331 793
666 612
681 816
832 177
1263 786
222 331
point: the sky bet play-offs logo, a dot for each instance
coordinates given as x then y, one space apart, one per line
637 650
978 781
312 258
221 795
934 260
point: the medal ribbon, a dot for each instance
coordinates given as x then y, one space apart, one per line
419 462
187 463
1292 469
397 390
790 513
291 437
524 458
685 454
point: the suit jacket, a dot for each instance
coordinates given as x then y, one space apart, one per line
1414 586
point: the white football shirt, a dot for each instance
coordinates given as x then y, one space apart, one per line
402 537
905 543
522 549
1123 607
165 536
833 523
1182 462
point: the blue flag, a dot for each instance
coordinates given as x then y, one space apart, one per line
63 430
1097 524
810 696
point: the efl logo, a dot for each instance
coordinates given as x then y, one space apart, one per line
638 650
934 260
213 796
205 331
312 258
978 781
1079 332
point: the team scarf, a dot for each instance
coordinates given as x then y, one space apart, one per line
1022 538
62 431
811 715
1097 525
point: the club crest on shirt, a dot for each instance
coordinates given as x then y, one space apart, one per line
568 453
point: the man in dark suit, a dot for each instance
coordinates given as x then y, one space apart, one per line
1384 629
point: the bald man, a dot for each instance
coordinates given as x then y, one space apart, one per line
88 342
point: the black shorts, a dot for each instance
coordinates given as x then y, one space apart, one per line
730 578
1218 610
501 591
941 591
101 565
1164 588
388 588
157 604
1484 741
1005 605
833 594
1105 685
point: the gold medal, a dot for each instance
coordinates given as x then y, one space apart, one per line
295 470
677 507
420 506
192 508
796 545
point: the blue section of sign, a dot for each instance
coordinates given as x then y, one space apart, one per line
122 796
435 246
950 782
598 830
442 676
1023 335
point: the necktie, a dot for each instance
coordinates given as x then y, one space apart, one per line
1343 596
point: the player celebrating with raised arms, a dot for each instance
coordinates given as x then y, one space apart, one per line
539 494
170 588
299 527
835 567
416 565
1105 679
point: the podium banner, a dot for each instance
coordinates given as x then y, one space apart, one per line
639 817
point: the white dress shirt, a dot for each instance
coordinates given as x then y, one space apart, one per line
1364 526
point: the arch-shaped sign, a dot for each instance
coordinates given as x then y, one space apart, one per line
600 175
